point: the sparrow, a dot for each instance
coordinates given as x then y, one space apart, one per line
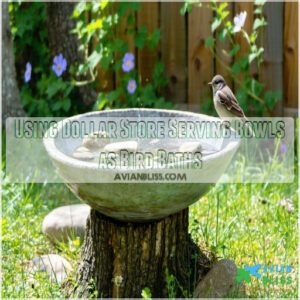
225 101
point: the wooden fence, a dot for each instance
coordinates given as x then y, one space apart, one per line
190 66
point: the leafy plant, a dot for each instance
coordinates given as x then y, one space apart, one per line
251 93
52 97
44 94
103 49
146 293
171 284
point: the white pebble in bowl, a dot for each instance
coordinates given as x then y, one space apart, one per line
97 139
130 146
83 153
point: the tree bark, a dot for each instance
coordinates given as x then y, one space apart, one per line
121 259
11 104
61 40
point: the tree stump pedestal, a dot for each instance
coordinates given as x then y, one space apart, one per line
120 259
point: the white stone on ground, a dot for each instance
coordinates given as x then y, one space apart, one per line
66 222
54 265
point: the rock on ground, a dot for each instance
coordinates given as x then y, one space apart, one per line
54 265
66 222
219 282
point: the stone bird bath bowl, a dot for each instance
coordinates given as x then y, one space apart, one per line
135 202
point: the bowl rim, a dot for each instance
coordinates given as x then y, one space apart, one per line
61 157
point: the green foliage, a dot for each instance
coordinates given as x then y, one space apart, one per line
146 293
250 91
51 97
171 285
29 33
109 51
186 8
48 95
45 94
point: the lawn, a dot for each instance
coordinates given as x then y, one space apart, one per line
243 222
246 223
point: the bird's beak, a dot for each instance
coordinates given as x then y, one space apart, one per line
210 83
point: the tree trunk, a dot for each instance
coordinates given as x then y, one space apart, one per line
121 259
10 93
61 40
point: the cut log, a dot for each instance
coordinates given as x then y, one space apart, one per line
120 259
11 102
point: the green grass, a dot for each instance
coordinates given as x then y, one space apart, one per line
23 209
243 222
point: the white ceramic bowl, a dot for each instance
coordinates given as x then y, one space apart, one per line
134 202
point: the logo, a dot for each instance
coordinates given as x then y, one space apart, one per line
266 274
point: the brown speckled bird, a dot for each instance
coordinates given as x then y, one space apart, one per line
225 101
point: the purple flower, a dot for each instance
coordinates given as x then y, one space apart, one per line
283 148
27 74
128 62
59 64
131 87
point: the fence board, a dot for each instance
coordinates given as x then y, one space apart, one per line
105 80
222 49
200 59
272 69
148 15
291 54
173 49
249 8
